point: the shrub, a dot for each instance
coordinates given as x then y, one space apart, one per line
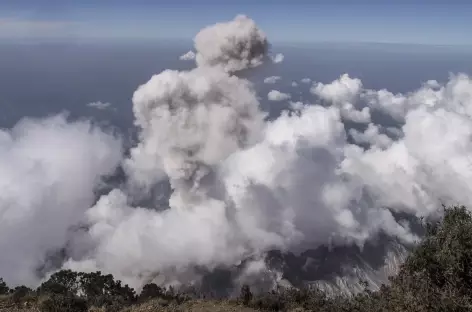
61 303
245 295
63 282
151 291
4 289
20 292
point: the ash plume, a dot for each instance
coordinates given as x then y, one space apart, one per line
233 46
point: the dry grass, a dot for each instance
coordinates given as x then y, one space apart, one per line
157 305
190 306
6 305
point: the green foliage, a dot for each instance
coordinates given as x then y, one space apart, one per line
102 290
151 291
63 282
60 303
92 289
4 289
20 292
437 276
246 295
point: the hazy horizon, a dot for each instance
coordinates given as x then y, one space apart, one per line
107 71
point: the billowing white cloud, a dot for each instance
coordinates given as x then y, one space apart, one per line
278 58
349 112
305 80
432 84
343 92
371 136
272 79
234 45
387 102
453 94
189 56
49 171
294 84
429 163
345 89
297 106
275 95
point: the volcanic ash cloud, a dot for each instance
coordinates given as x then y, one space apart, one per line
234 45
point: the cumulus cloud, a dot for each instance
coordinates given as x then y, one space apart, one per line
349 112
50 170
99 105
294 84
234 45
371 136
278 58
293 170
343 92
275 95
350 91
296 106
345 89
305 80
425 165
189 56
432 84
272 79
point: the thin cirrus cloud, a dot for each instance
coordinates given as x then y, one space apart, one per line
13 27
99 105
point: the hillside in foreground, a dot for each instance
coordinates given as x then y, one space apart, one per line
437 276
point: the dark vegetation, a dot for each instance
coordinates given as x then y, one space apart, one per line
437 276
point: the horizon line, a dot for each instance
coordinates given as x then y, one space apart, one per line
73 39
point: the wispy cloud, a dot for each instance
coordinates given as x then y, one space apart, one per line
20 27
99 105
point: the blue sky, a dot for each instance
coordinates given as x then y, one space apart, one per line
401 21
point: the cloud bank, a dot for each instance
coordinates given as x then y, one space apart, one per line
297 183
50 170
